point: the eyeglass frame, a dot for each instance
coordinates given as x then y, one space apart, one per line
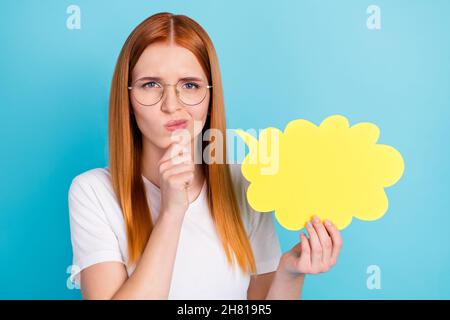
208 86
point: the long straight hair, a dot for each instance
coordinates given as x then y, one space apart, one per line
125 140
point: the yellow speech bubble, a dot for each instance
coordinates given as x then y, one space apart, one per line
333 170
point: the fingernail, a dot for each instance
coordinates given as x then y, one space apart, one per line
316 219
309 225
327 223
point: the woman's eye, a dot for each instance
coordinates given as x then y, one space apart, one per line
151 84
190 85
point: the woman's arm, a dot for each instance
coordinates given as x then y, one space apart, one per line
259 286
152 277
286 287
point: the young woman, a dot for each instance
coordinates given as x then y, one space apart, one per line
156 224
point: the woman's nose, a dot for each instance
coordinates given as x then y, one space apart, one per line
170 101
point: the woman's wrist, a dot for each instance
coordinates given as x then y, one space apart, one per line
171 217
288 276
287 273
286 285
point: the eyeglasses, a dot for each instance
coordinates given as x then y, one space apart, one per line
150 92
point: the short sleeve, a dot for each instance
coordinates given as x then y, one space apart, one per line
264 241
93 240
260 227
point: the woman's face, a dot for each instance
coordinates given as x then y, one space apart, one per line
170 63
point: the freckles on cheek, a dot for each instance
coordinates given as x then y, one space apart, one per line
148 123
202 112
199 119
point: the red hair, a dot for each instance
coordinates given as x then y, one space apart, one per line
125 140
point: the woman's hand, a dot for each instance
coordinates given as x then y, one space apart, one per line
314 255
176 174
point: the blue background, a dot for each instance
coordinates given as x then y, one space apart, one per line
281 60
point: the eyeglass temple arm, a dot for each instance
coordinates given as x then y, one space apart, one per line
209 87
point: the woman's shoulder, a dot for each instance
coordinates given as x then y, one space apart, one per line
95 181
240 184
91 194
260 226
93 175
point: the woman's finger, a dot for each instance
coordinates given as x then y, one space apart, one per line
179 168
297 249
325 240
183 179
305 256
180 159
174 150
336 239
316 248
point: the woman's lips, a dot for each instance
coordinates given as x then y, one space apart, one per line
177 124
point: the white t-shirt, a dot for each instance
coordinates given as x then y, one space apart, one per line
201 270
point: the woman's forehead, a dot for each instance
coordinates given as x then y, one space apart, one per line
167 61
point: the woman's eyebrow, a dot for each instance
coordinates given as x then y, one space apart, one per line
150 78
159 79
191 79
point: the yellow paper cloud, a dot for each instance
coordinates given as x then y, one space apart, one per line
334 171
